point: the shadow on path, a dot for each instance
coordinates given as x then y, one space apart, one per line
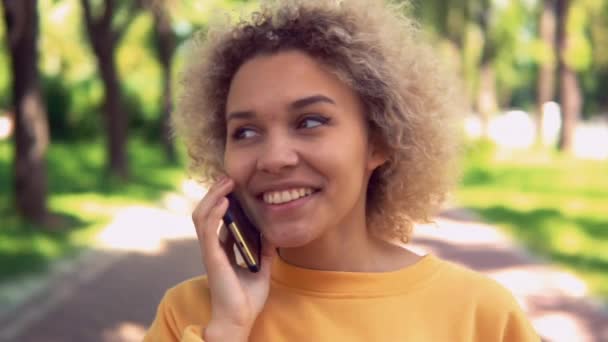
556 302
118 302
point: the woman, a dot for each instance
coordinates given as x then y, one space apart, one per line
334 126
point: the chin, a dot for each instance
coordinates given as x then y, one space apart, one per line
285 236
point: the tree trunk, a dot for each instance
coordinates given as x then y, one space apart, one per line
571 106
486 94
165 40
546 74
570 93
115 119
104 40
31 126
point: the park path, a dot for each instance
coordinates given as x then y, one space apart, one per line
111 293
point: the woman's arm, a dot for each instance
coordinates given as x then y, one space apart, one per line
236 295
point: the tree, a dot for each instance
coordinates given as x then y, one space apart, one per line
165 44
569 89
31 126
486 93
546 74
104 37
446 21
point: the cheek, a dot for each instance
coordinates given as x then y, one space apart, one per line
346 155
343 163
238 165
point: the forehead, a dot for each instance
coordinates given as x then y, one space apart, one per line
273 81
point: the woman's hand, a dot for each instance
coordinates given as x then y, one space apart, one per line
237 295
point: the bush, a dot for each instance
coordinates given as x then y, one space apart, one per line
480 152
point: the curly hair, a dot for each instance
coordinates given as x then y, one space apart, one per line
375 48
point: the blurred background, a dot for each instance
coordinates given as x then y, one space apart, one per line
86 87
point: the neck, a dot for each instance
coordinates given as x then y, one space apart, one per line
349 247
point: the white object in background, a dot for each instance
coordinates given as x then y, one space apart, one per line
591 141
193 190
472 126
6 127
514 129
552 123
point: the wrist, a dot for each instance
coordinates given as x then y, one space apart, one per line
220 331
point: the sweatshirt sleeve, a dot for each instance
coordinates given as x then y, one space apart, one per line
165 328
499 316
183 313
518 328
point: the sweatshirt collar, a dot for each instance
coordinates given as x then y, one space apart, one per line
338 283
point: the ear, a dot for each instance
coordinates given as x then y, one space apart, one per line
377 154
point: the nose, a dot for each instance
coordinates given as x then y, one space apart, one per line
279 154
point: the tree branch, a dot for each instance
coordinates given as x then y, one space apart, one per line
108 12
87 12
131 13
88 18
14 13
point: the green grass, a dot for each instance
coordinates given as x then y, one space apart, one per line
556 206
81 195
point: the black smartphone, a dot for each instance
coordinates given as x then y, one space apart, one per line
246 235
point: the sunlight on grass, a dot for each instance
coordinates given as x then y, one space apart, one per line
557 207
82 196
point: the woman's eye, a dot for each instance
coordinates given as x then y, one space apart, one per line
244 133
312 122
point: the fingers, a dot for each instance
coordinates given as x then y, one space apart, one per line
227 242
214 257
206 217
213 195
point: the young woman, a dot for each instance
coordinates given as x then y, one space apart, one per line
333 125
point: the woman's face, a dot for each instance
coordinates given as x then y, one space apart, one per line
297 148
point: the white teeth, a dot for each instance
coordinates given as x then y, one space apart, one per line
285 196
277 197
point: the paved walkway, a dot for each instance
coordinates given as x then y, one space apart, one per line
111 294
556 302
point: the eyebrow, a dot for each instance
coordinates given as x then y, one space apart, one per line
298 104
307 101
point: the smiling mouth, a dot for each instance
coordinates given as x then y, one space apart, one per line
286 196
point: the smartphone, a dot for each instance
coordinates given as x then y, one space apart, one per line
246 235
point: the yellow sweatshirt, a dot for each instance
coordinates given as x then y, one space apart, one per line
433 300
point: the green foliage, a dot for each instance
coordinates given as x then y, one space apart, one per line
66 60
554 205
199 14
579 52
596 79
5 75
83 200
471 55
141 72
72 91
512 34
480 151
477 154
516 50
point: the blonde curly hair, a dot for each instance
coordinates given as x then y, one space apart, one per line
377 50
